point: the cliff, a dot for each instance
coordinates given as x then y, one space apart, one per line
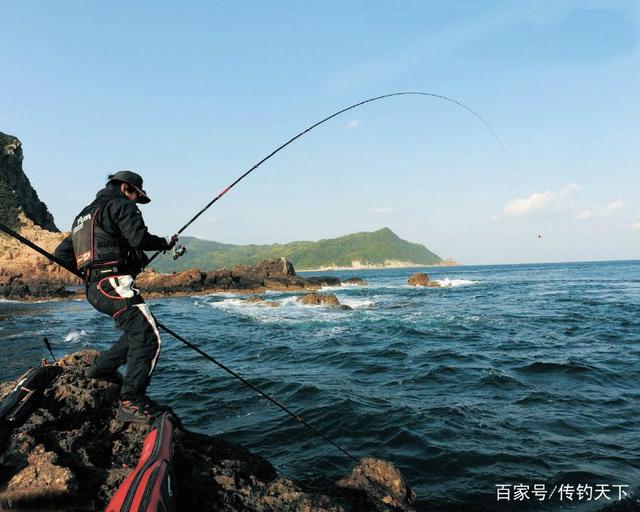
16 193
72 454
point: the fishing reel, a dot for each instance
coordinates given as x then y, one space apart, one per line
178 250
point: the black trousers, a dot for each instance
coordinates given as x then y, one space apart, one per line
139 345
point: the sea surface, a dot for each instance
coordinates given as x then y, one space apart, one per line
506 375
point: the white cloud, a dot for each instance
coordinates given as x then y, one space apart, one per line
539 201
636 225
605 211
385 209
613 206
352 124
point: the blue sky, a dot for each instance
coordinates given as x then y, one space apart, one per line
191 94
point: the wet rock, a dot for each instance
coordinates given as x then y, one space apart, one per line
381 480
319 299
72 450
421 279
261 301
319 281
355 280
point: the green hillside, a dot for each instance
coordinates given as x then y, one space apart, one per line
369 247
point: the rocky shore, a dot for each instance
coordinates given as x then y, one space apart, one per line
72 454
38 279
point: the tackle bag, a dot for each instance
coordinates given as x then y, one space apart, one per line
149 487
16 407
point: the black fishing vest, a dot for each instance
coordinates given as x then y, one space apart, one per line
91 244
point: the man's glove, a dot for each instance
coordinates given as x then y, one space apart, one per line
171 243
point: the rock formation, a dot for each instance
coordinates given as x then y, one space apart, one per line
72 453
322 299
24 274
421 279
16 193
355 280
277 274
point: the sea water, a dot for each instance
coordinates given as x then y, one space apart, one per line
504 376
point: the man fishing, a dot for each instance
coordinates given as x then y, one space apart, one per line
107 243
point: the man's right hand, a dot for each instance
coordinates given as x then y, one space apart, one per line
171 243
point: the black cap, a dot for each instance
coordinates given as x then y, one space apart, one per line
133 179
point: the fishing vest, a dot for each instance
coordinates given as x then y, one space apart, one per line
91 244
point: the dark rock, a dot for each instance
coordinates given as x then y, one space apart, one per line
280 267
72 450
322 281
16 192
319 299
355 280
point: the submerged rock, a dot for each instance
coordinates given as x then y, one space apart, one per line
260 300
355 280
421 279
72 453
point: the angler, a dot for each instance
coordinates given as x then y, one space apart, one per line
106 245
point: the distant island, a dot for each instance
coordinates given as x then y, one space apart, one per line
376 249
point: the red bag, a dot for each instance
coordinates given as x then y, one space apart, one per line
149 487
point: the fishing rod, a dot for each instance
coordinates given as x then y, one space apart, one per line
166 329
292 139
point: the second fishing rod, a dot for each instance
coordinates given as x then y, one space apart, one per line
180 338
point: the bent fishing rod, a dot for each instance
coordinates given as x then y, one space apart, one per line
307 130
79 274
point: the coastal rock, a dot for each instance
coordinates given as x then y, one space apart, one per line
382 480
356 281
72 453
421 279
187 281
260 300
319 281
319 299
280 267
42 480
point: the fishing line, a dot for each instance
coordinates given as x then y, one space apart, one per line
351 107
77 273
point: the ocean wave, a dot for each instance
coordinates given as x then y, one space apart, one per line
75 336
357 303
289 310
452 283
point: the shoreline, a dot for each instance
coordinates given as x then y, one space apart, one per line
398 265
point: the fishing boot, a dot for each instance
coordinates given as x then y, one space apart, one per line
139 410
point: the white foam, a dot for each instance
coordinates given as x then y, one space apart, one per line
452 283
288 311
75 336
357 303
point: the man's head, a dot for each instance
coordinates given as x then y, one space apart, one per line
130 185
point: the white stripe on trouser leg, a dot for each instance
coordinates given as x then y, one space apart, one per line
144 309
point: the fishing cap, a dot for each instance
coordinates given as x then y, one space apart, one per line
133 179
